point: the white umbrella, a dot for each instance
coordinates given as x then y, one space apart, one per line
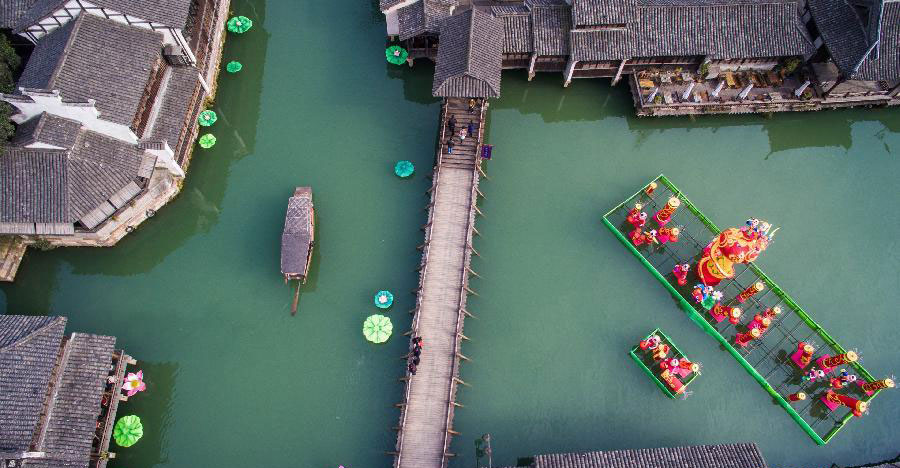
687 92
652 94
802 88
718 88
746 91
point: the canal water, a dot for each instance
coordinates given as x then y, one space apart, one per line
234 381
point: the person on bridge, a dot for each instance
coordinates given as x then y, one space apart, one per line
412 368
452 123
472 127
450 146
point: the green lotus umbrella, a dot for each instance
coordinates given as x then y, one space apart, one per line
396 55
383 299
239 24
128 430
207 141
377 328
207 118
233 66
404 169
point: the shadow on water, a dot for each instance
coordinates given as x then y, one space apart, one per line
199 201
154 407
416 80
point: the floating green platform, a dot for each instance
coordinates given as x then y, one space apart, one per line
766 359
645 361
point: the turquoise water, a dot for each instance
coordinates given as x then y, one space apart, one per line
195 294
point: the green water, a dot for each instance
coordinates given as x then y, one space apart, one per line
234 381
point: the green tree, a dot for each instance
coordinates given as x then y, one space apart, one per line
9 63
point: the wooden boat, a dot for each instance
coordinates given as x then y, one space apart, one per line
298 239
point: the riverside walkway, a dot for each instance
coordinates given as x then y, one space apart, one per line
426 418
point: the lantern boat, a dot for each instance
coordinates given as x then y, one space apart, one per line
665 364
298 239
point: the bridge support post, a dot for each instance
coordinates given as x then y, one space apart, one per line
468 314
472 272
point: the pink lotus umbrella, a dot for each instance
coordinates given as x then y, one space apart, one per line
134 383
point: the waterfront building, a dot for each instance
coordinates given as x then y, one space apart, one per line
106 108
58 395
684 56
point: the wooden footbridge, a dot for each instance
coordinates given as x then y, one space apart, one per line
426 417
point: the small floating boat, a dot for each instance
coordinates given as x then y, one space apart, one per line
298 239
663 362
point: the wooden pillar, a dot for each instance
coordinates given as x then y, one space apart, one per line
531 66
895 90
570 70
619 72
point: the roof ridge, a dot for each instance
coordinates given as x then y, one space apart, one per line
471 40
24 340
65 52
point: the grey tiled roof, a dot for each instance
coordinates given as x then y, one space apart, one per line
887 65
700 456
48 129
33 186
11 11
850 44
469 56
176 106
718 29
99 166
423 17
76 403
29 347
295 240
551 23
67 60
517 29
601 12
611 44
173 13
721 30
56 186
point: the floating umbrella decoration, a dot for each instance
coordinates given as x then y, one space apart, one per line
404 169
128 430
377 328
233 66
383 299
207 141
396 55
207 118
134 383
239 24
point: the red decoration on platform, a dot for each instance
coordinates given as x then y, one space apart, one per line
664 215
743 339
680 272
858 407
734 315
799 396
649 189
871 387
754 288
803 356
732 246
